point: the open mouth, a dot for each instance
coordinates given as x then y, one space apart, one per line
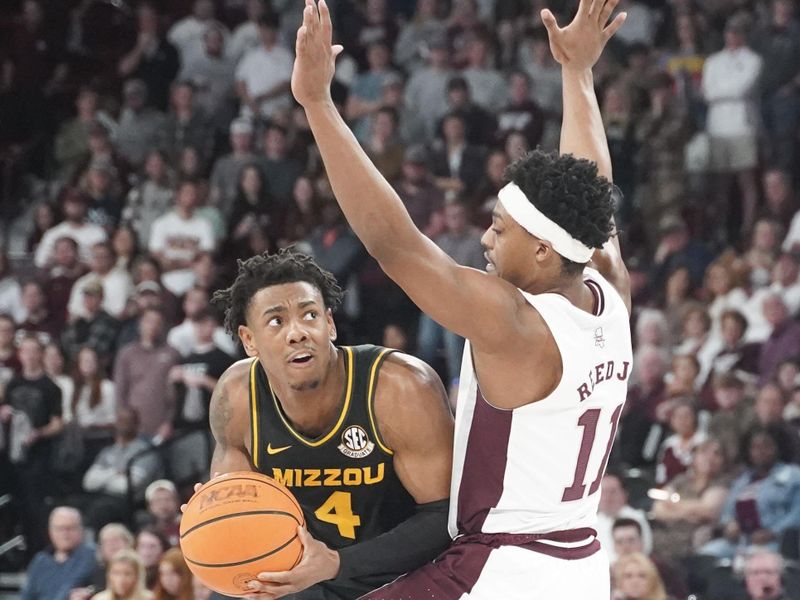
301 359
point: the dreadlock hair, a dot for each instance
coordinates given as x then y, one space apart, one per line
265 270
570 192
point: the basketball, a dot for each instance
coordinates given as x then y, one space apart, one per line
239 525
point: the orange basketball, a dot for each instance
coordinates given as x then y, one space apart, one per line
237 526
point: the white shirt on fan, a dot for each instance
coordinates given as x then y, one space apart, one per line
181 239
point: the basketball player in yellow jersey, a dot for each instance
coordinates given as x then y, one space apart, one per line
361 435
548 354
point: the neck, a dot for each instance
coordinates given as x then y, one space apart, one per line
312 411
148 343
33 372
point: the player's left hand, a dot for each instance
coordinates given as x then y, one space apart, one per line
579 45
319 563
315 59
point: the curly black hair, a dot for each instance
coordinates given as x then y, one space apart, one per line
264 270
570 192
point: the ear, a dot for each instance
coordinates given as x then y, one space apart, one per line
544 251
248 341
331 324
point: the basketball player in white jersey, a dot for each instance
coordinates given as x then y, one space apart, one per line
545 370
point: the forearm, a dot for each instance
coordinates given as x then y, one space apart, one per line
53 428
582 131
369 203
414 542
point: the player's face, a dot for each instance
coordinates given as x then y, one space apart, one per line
508 249
290 331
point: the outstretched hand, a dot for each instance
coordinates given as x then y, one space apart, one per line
315 60
579 45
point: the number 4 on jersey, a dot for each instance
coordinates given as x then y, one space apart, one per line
338 510
589 421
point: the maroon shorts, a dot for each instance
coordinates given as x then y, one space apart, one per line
454 573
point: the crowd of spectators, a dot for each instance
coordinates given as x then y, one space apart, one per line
145 146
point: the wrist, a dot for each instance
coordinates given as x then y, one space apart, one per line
319 105
335 564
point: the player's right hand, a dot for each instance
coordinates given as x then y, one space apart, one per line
197 487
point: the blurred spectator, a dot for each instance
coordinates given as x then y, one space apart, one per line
736 355
140 374
71 147
481 125
125 578
96 329
111 539
107 479
730 79
187 124
733 416
456 164
184 337
75 225
783 342
201 592
66 565
486 83
9 363
763 502
141 127
101 185
462 243
10 291
760 257
768 408
676 452
126 247
174 577
675 249
61 277
425 94
187 34
245 37
211 73
627 535
253 207
264 73
178 236
661 134
521 113
151 197
153 59
364 98
93 403
44 218
780 202
635 577
683 519
38 319
334 246
640 26
280 169
151 546
545 74
226 170
613 506
383 144
415 37
55 368
302 216
763 571
483 199
163 510
116 283
778 43
147 294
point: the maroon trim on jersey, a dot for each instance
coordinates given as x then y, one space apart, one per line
484 465
536 542
599 297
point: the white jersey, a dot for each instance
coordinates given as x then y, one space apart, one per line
537 469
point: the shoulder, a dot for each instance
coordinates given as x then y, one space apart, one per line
403 373
235 381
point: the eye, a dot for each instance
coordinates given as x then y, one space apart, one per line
496 231
274 322
311 315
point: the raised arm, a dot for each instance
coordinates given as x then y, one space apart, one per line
479 307
577 47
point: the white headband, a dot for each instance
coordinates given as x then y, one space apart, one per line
534 222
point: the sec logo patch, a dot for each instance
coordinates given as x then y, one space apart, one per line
356 443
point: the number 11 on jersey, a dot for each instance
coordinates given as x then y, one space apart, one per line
588 421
